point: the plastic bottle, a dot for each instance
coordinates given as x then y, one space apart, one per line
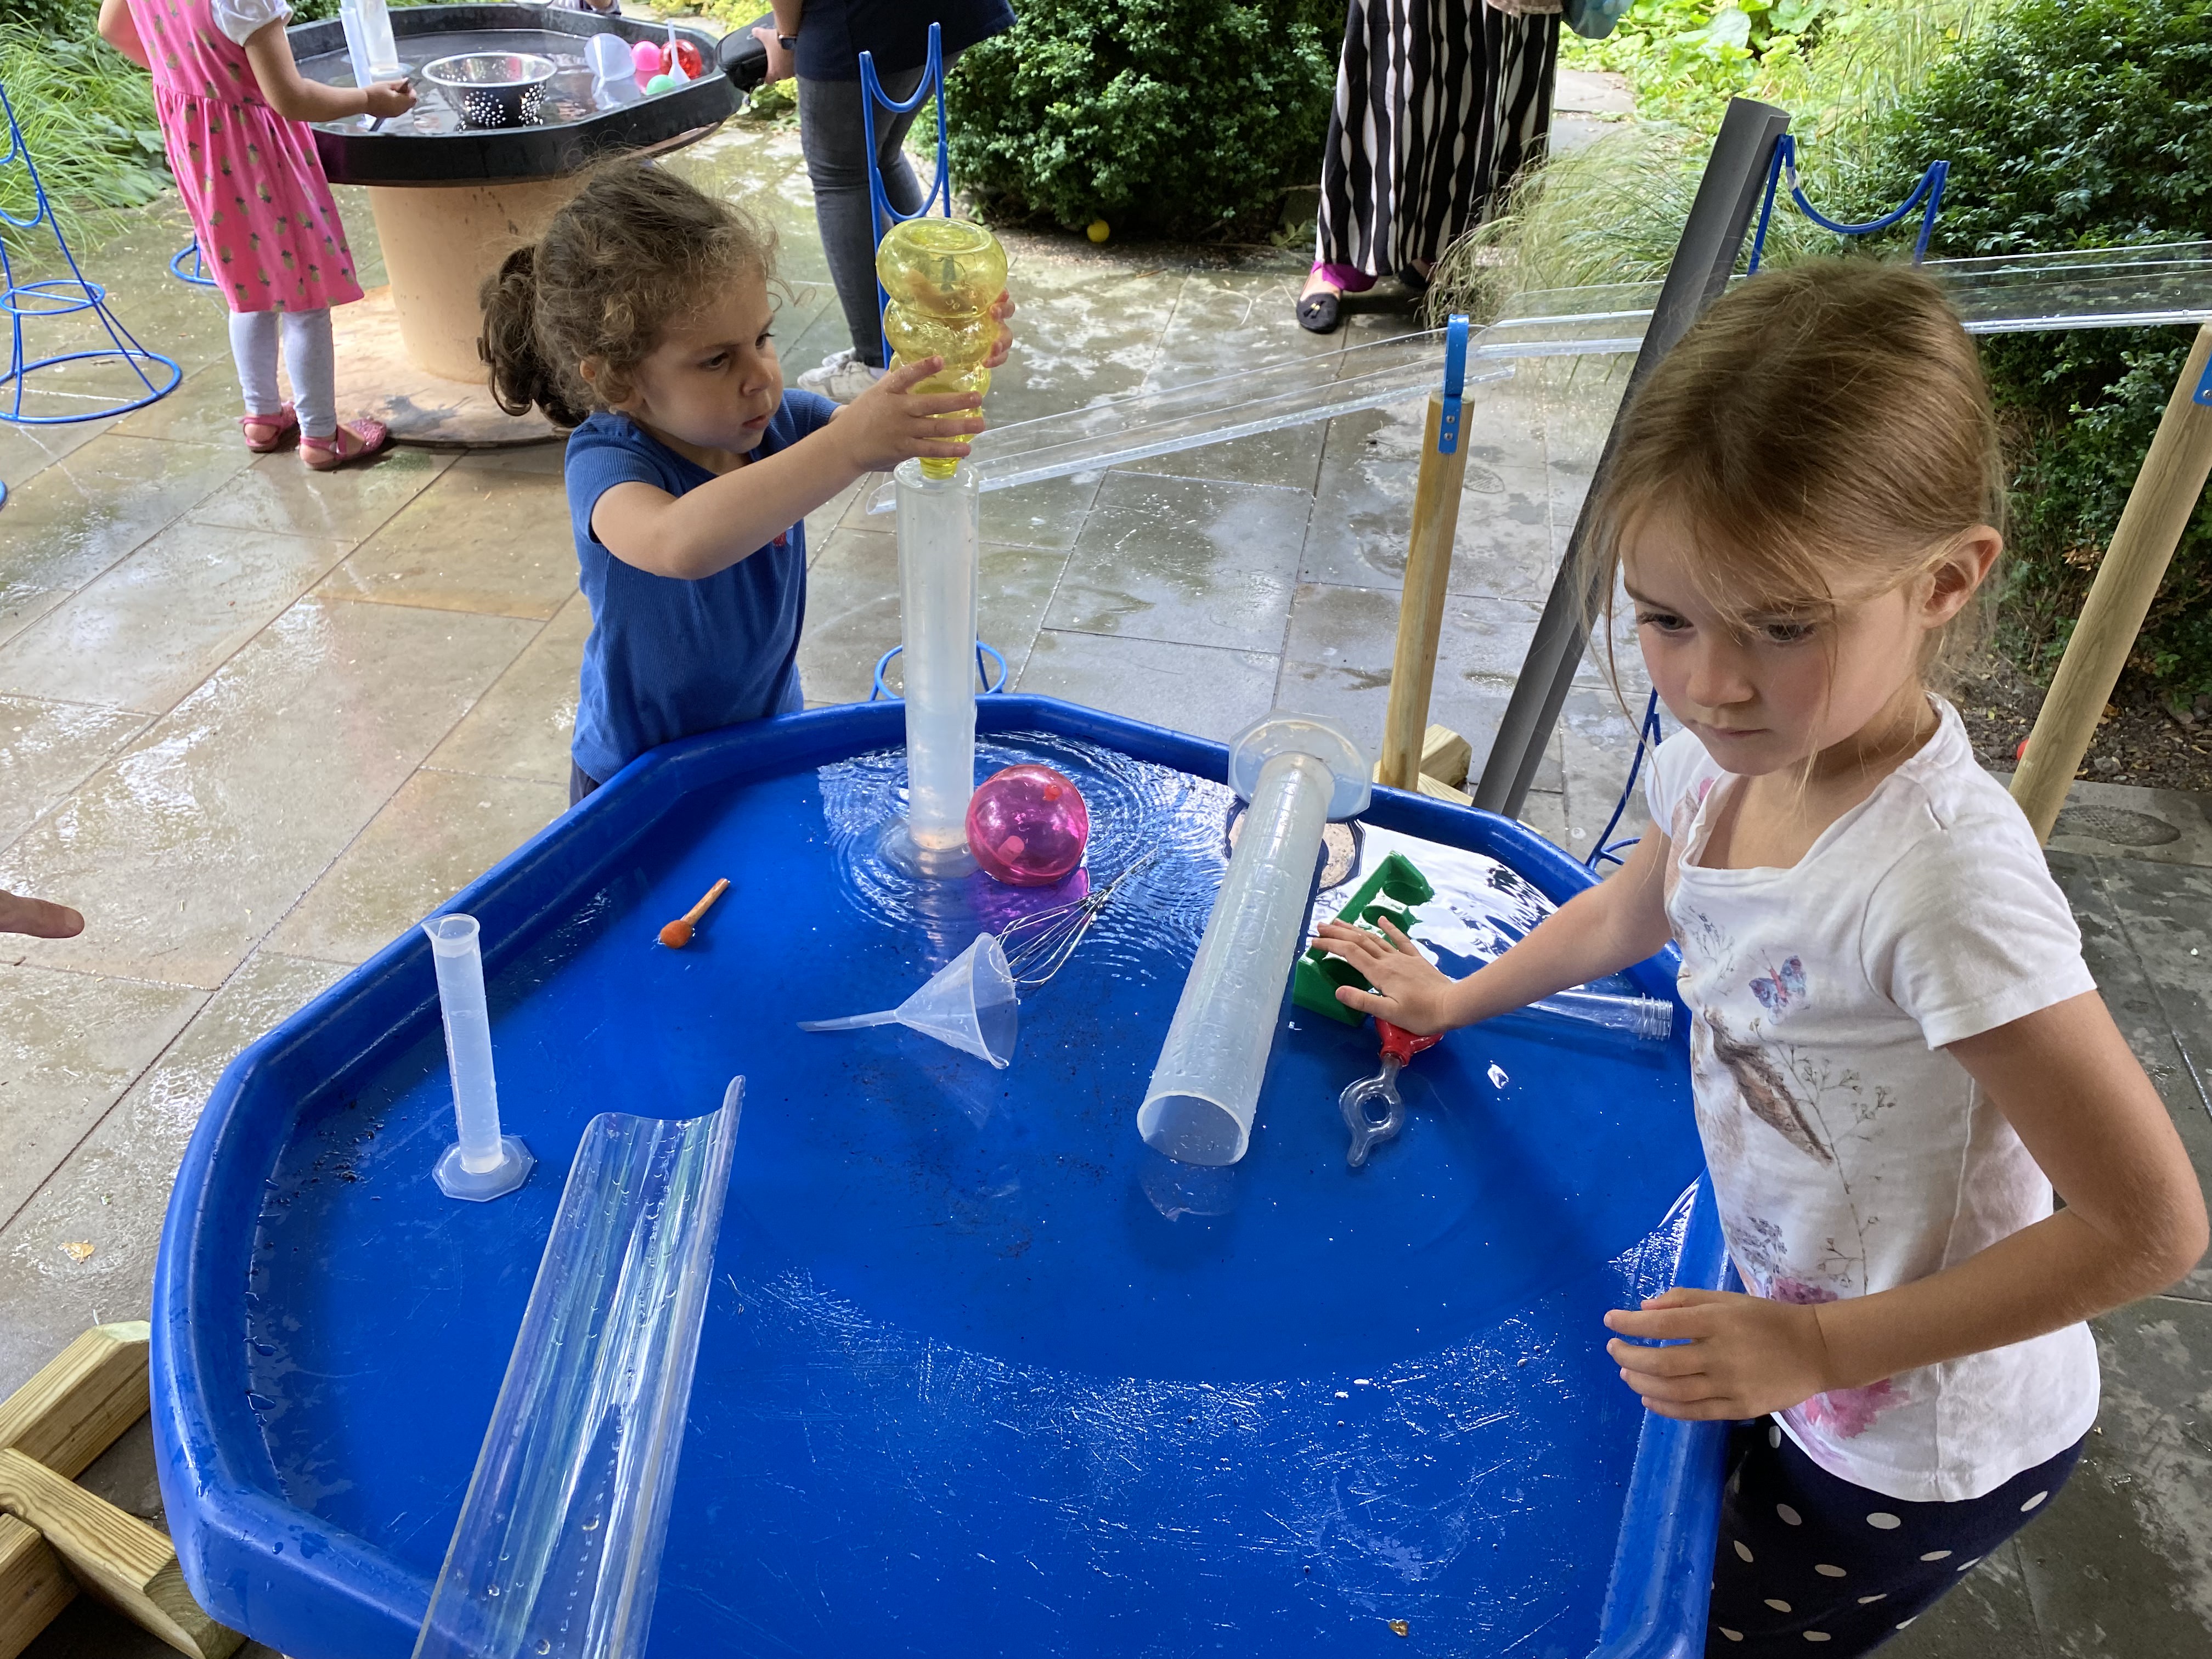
357 48
942 276
373 21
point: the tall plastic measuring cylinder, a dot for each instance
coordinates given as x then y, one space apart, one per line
482 1162
1297 772
370 22
940 540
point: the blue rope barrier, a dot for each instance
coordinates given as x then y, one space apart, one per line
62 297
1785 166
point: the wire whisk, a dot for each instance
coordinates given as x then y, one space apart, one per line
1038 946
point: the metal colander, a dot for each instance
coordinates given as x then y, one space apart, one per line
493 88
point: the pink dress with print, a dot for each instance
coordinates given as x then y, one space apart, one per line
252 182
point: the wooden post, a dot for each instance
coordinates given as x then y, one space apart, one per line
2158 507
1421 610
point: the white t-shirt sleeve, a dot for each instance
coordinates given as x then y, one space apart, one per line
1967 932
238 19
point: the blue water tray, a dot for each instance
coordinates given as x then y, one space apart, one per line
980 1374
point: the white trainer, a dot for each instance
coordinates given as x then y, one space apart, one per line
841 378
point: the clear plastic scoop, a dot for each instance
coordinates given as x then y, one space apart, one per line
969 1003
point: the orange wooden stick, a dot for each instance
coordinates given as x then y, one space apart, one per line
677 934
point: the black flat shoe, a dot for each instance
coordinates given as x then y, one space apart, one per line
1413 281
1317 312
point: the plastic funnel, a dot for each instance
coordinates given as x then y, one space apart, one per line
969 1003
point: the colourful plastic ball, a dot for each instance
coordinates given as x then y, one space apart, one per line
661 83
1099 230
689 60
1027 826
646 57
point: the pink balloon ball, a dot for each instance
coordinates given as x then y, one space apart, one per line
645 56
1027 826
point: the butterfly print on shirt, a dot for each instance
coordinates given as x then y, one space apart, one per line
1777 987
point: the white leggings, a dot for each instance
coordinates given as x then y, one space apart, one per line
308 353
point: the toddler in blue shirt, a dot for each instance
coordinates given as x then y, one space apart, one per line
642 320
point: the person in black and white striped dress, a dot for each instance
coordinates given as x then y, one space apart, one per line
1439 103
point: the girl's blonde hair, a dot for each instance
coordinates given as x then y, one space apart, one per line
634 250
1825 433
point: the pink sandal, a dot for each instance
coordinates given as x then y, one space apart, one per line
275 429
354 441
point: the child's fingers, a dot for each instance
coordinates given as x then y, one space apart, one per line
1003 307
1684 1361
1667 1324
1397 939
944 403
1366 1002
1703 1410
943 451
910 374
1350 944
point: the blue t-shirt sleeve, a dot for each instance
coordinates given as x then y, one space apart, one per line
595 463
809 412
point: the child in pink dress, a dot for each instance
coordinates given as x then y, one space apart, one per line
232 105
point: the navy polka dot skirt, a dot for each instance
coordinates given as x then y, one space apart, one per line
1808 1562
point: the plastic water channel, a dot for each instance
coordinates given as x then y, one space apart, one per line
2112 287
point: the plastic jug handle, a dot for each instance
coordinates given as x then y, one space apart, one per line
1401 1043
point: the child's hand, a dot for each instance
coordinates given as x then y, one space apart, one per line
1002 307
888 424
1742 1356
1411 992
389 98
37 919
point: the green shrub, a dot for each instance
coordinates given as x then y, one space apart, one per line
2080 123
55 17
1612 212
1175 116
87 118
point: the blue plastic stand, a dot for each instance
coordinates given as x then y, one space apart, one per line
940 188
61 296
883 691
197 276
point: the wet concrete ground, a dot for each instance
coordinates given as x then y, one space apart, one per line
255 722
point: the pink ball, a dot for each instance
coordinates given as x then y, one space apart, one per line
1027 826
645 58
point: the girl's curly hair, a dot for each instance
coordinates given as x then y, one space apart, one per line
634 248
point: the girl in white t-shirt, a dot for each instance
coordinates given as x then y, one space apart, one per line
1895 1047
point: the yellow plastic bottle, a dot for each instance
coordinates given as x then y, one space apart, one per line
942 275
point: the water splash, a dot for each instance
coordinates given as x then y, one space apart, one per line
1136 807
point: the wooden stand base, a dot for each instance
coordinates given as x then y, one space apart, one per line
377 377
56 1537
